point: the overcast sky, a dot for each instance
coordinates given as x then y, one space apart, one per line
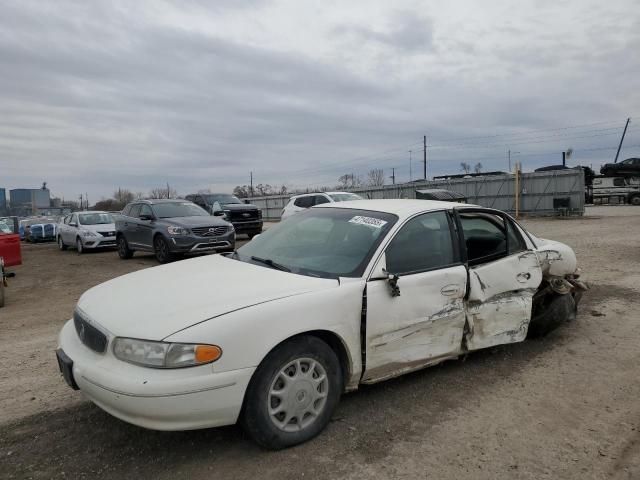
96 95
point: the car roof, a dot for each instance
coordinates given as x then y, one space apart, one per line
87 211
321 193
400 207
155 201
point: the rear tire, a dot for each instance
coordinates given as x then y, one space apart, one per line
61 244
293 393
124 252
552 312
634 200
161 250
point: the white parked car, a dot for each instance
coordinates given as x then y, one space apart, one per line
87 230
299 203
345 294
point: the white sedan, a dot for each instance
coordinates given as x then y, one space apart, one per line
341 295
86 230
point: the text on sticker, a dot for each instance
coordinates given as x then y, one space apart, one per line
370 221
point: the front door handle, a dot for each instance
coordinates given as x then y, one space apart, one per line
523 277
450 290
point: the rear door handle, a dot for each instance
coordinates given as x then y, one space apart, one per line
450 290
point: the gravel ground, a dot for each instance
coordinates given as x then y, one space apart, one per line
565 406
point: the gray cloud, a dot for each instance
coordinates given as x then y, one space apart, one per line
95 96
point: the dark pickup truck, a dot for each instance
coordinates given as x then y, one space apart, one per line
246 218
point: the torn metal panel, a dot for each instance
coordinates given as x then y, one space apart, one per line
500 300
423 324
556 258
520 271
501 319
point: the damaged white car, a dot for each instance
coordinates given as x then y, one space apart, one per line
340 295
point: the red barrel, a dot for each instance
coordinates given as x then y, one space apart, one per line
10 249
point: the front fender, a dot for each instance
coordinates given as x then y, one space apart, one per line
246 336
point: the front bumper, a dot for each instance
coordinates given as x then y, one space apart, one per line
253 226
196 244
99 242
171 399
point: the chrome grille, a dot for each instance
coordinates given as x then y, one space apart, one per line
89 335
107 234
210 231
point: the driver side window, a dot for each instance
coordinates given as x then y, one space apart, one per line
145 210
423 243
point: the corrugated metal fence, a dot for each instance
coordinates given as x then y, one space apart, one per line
538 191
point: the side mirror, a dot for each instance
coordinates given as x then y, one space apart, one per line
146 217
73 224
218 213
380 272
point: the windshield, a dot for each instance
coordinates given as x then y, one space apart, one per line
5 226
221 198
95 218
321 242
178 209
344 197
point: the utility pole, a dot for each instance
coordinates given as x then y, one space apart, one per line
564 159
251 183
509 154
425 157
410 172
621 140
393 176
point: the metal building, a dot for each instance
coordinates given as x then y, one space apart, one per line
539 193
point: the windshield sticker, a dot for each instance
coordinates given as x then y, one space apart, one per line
369 221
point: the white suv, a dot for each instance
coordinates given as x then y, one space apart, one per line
298 203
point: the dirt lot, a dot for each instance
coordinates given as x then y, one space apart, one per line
566 406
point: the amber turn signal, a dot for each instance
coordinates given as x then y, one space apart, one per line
207 353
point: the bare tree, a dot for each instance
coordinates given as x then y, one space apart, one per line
478 167
123 196
241 191
163 192
375 177
349 180
465 167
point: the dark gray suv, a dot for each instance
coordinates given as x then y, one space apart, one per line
169 228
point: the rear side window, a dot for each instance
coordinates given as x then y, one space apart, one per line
484 237
320 199
304 202
126 210
487 237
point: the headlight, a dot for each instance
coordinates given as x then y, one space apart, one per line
177 231
88 233
152 354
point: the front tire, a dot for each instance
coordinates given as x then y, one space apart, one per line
292 393
161 250
635 200
79 246
124 252
61 244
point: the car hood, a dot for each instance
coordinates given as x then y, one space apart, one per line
103 227
196 221
154 303
239 206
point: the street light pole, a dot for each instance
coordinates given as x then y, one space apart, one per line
410 170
